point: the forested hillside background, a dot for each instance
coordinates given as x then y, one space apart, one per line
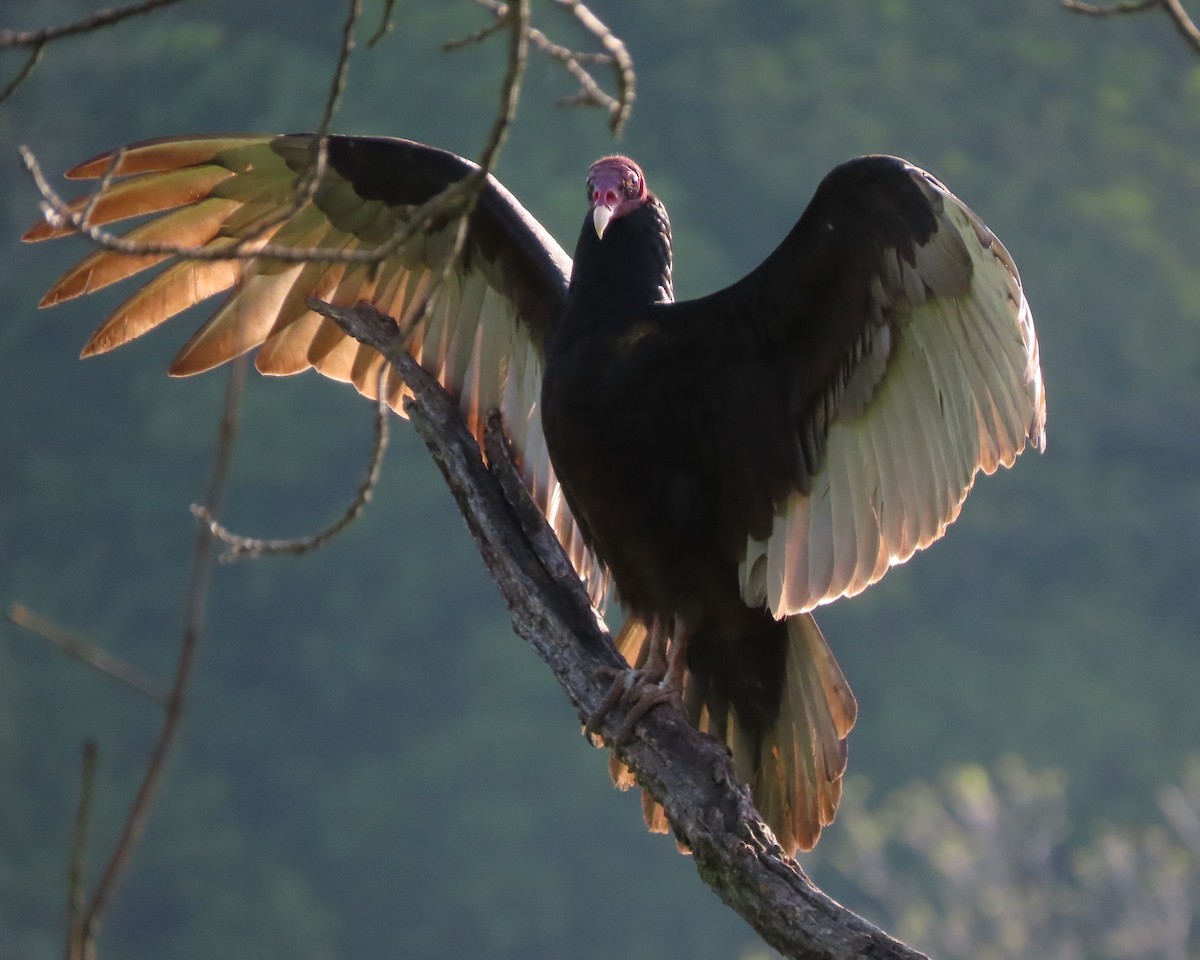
372 764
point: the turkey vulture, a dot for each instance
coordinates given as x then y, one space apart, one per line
732 461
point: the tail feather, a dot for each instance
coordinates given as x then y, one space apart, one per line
816 713
795 768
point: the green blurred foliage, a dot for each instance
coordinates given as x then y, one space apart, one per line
371 763
982 864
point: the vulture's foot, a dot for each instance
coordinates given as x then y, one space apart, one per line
642 690
645 697
658 680
624 682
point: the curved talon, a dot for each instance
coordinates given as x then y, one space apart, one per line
621 683
625 682
644 691
658 678
648 697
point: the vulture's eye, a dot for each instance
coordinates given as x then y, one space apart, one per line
632 183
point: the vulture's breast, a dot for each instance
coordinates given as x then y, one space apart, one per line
638 439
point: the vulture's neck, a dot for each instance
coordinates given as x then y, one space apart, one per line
615 278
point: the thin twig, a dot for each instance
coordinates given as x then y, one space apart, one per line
197 596
385 23
623 71
76 863
35 54
337 85
82 649
36 40
102 18
590 92
310 180
1116 9
1183 23
510 87
240 547
479 35
516 18
85 215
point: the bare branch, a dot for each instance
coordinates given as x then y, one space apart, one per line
82 649
537 532
689 773
626 79
385 23
517 19
241 547
337 85
1183 23
75 865
196 600
309 180
1093 10
102 18
35 54
479 35
590 92
36 40
85 215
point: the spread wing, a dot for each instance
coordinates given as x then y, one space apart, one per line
485 328
895 336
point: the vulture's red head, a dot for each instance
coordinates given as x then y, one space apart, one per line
615 186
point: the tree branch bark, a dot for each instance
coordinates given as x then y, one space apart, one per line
689 773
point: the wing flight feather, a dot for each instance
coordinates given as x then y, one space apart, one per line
949 386
484 327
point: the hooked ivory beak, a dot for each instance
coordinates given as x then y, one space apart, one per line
600 217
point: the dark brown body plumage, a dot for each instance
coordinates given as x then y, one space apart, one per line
657 466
